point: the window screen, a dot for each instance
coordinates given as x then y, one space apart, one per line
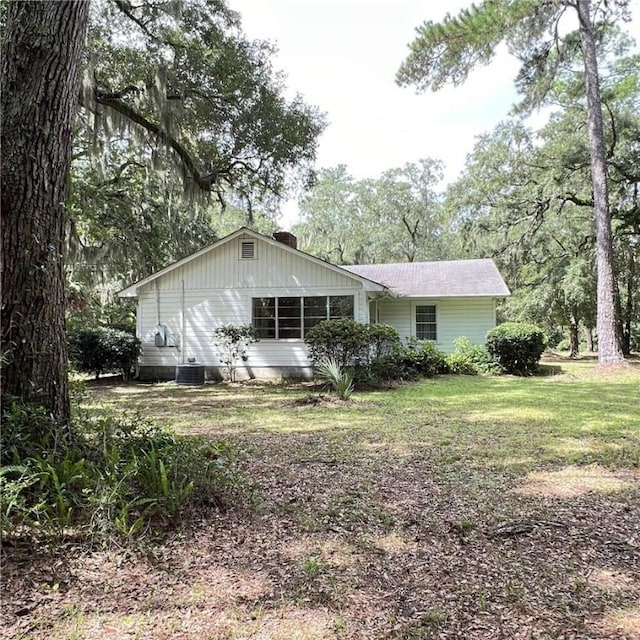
290 317
264 317
426 322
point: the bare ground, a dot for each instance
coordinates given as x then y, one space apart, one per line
346 539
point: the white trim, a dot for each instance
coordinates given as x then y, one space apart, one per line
414 321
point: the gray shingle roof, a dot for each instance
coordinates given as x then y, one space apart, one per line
446 278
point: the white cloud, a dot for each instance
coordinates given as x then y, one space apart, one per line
342 55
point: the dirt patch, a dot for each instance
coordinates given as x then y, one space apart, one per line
320 400
622 623
574 481
612 579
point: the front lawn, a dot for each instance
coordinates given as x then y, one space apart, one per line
459 507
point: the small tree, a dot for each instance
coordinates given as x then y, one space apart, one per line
232 341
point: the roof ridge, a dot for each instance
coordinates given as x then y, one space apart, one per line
399 264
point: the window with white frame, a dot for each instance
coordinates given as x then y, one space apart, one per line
426 323
291 317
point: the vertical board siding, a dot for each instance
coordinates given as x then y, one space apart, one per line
204 312
273 267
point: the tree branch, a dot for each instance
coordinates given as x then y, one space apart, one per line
571 197
208 182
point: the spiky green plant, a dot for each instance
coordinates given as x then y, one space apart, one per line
340 379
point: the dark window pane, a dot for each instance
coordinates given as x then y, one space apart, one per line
289 317
289 307
426 332
315 307
426 328
264 317
340 307
315 311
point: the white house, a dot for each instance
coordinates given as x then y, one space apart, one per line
249 278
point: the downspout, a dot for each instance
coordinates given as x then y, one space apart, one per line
182 322
157 303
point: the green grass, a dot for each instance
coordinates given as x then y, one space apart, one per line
458 507
573 416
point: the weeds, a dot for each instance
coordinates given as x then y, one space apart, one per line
312 567
115 477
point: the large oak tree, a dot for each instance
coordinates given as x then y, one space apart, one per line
173 98
41 55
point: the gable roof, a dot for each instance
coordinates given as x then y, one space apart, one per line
132 290
447 278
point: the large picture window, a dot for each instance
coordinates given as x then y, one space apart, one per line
291 317
426 326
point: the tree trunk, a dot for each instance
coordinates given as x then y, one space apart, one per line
574 341
609 351
628 316
588 338
41 54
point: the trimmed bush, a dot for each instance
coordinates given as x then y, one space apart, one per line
470 359
382 340
516 347
425 358
375 351
103 350
408 361
344 341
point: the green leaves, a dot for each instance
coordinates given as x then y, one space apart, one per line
395 218
340 379
187 80
448 51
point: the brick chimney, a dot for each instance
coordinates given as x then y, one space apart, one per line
286 238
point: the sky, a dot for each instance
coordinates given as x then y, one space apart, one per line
342 56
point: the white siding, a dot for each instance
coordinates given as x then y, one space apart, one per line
222 268
218 288
206 310
470 317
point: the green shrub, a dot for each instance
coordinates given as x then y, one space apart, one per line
405 362
382 340
375 352
103 350
516 347
345 341
470 359
430 361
